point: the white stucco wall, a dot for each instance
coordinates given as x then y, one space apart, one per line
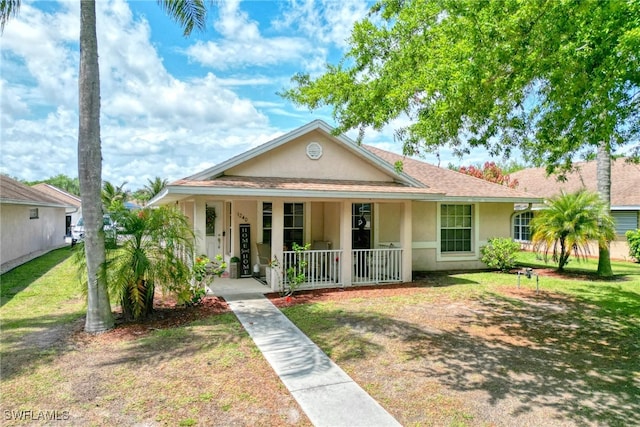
22 239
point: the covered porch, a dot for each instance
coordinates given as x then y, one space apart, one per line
350 242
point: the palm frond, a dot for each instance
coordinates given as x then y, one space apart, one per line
189 14
8 9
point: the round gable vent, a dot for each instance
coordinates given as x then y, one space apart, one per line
314 151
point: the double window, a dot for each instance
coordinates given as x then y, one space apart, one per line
521 228
293 223
456 228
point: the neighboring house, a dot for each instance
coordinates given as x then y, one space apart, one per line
73 213
366 222
31 223
625 197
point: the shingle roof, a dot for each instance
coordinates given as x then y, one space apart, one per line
625 181
324 185
449 182
12 191
58 194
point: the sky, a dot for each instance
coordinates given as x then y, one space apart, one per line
171 106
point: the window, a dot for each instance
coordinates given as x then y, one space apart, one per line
210 220
455 228
293 224
33 213
267 216
361 225
521 229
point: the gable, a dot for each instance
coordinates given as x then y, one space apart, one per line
336 161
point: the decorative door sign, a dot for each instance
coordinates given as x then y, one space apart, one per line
245 250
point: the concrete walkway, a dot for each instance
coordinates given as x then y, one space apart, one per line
325 392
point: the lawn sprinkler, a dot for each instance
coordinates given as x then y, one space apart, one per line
528 272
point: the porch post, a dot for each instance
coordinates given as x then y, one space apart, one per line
277 239
346 262
199 225
406 241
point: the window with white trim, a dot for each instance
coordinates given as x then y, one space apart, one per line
293 224
521 228
267 217
456 228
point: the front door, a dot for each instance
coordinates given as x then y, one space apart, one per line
213 227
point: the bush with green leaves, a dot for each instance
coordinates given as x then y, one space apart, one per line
156 251
633 238
500 253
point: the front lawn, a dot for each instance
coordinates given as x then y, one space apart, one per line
473 349
207 372
463 349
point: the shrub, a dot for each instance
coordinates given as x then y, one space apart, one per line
633 237
500 253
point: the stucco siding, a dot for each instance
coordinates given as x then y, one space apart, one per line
291 160
23 239
389 222
495 220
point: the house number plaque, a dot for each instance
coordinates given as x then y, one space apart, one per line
245 250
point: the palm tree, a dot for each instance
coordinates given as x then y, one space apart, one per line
113 196
189 14
603 179
154 187
157 252
568 223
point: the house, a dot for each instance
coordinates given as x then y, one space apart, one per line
365 221
31 223
73 213
625 197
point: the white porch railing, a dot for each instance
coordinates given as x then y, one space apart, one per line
323 267
377 266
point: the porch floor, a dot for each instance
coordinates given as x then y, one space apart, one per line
248 285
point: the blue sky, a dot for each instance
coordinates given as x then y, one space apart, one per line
171 106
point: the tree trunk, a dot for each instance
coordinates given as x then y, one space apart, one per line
603 172
99 316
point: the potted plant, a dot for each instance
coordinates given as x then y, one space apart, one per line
234 270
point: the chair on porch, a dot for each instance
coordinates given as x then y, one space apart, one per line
264 257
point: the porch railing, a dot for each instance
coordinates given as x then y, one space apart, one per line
323 267
377 266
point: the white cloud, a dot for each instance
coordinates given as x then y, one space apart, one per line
153 124
242 44
325 21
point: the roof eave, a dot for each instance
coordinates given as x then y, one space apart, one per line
514 199
184 190
34 203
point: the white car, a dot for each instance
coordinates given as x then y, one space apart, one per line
77 234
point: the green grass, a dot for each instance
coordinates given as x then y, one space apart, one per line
206 372
42 293
589 266
580 337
